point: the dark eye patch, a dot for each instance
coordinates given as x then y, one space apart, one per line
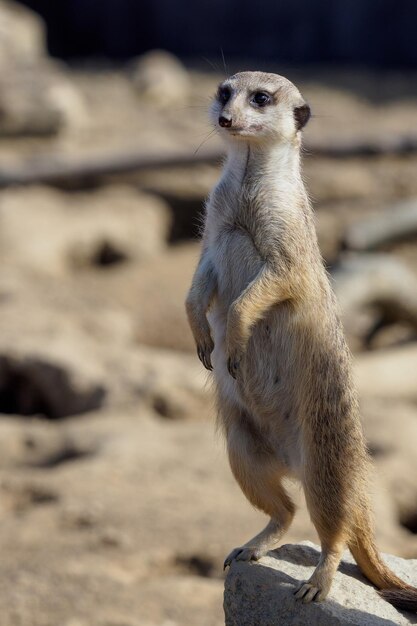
223 94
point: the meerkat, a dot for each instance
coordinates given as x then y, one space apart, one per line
265 320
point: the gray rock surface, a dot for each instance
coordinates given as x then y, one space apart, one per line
262 593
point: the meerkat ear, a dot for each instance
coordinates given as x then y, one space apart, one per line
301 115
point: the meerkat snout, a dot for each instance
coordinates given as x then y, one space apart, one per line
225 122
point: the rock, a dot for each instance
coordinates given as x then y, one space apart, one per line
22 34
171 383
160 77
375 291
38 443
331 180
52 231
391 430
397 223
262 592
39 100
76 351
49 363
37 96
158 284
35 383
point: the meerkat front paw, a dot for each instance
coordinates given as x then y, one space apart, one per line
243 554
235 353
237 337
204 351
233 363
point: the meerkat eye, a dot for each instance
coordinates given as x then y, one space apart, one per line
261 98
223 95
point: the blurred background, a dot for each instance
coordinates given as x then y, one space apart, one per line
117 506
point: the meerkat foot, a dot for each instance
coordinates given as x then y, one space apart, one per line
244 553
308 592
318 586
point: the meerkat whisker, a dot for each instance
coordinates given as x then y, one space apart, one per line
224 62
209 136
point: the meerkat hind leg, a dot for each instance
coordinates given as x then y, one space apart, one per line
260 478
332 531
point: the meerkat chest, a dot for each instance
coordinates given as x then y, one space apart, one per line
234 244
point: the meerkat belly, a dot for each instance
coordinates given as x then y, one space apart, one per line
268 383
236 264
263 389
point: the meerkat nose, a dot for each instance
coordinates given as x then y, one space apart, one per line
225 122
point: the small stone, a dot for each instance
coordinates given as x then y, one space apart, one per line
160 78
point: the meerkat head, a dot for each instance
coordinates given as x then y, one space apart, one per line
258 107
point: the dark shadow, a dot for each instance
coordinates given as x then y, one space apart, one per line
309 557
32 386
67 454
409 521
197 565
108 253
187 215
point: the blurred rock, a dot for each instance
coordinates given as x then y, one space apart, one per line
388 374
185 190
391 430
37 98
172 384
38 443
374 291
262 592
54 232
398 223
57 360
22 35
332 180
33 384
152 293
160 77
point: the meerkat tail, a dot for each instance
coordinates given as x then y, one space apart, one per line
403 599
394 590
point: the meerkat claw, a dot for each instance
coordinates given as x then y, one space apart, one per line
204 356
233 367
306 592
242 554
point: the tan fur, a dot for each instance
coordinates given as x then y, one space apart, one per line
264 317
